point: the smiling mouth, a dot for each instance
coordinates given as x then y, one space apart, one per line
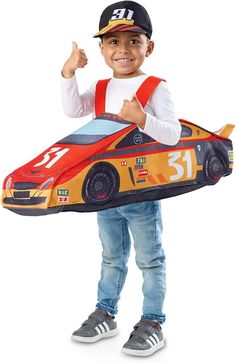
123 60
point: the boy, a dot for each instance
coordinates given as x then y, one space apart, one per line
125 30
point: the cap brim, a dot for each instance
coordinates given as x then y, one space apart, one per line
119 28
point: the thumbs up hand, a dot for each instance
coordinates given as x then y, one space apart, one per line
76 60
133 111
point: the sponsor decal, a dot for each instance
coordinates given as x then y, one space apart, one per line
62 192
138 167
141 160
63 199
137 139
123 163
142 172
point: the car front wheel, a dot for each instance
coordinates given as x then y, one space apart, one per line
101 183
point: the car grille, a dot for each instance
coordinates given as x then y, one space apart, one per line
21 195
25 185
20 201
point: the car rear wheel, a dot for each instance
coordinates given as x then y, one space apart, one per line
215 166
101 183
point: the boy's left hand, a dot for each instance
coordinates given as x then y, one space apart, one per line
133 111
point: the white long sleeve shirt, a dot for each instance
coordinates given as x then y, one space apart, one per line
162 123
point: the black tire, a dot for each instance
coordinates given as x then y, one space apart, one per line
101 183
215 166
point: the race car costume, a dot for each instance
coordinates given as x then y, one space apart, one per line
110 162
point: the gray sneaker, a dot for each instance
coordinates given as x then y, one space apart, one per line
99 325
145 339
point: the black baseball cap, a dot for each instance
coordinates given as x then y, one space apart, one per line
125 16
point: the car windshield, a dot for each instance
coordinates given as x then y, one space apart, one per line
95 130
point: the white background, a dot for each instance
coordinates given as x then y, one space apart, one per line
49 266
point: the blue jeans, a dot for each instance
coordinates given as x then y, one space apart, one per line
143 220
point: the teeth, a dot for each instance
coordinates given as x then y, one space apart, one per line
123 60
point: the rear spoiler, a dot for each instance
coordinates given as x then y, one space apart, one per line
225 131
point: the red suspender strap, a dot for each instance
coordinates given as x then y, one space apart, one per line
143 93
147 88
100 96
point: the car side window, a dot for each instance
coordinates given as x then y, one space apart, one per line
134 137
186 131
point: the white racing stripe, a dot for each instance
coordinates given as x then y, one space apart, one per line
102 328
156 337
97 330
148 340
153 340
106 326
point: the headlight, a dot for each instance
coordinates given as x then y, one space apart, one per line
9 183
46 183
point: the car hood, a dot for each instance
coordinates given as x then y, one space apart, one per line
60 157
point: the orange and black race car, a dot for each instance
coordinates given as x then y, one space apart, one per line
109 162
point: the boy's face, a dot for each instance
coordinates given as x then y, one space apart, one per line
125 52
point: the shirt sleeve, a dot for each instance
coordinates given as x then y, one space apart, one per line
164 125
74 104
